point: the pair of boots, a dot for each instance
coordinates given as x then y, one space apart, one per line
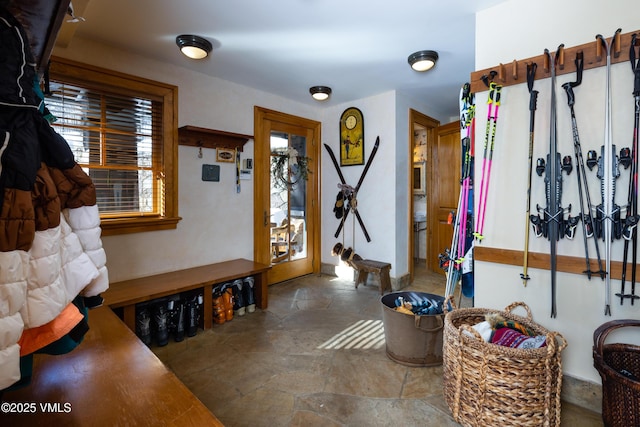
243 296
222 304
173 316
144 325
184 317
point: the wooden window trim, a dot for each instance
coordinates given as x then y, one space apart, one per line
78 73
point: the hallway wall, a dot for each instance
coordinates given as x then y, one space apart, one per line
580 302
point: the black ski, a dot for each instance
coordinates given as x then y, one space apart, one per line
552 225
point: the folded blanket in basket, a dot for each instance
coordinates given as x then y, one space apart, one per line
509 333
508 337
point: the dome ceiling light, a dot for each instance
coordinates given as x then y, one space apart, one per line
194 47
423 60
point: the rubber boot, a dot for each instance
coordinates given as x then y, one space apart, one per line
160 316
238 298
219 315
249 295
227 298
143 326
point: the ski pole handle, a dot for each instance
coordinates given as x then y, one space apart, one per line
533 100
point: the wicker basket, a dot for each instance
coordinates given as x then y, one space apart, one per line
490 385
620 393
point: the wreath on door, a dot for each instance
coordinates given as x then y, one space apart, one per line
288 168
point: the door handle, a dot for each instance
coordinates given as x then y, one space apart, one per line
265 218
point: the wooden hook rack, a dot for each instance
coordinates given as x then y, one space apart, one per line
593 55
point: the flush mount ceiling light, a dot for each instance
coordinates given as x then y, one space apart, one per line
320 93
423 60
194 47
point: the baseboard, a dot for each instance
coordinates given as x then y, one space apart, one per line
585 394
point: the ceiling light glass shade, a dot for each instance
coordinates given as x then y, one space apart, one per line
320 93
423 60
194 47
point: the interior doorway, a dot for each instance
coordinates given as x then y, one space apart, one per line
421 142
286 190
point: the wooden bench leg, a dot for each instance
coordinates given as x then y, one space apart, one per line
207 309
385 281
361 277
130 316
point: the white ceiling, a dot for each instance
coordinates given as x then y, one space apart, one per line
359 48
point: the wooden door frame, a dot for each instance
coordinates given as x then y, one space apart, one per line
430 124
261 171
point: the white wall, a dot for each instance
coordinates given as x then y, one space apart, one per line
376 197
216 221
580 302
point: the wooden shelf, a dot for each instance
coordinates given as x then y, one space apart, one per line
565 264
516 72
209 138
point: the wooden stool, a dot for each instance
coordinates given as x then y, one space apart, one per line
365 266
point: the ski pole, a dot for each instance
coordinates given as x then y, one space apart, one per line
488 159
583 193
630 233
533 100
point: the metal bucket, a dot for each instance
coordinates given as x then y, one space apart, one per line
412 340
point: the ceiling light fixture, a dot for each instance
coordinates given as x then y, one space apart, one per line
423 60
320 93
194 47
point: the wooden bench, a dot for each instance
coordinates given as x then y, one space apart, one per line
365 266
111 378
128 293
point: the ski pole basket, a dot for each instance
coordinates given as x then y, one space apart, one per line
487 384
619 366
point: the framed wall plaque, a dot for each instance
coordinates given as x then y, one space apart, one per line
225 155
351 137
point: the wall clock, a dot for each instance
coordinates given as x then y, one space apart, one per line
351 137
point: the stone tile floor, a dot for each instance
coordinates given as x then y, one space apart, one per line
288 365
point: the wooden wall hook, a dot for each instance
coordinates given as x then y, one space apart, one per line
560 57
501 73
616 48
514 70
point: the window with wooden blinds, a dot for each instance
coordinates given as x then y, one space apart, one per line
119 137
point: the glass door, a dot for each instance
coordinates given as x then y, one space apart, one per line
288 197
287 178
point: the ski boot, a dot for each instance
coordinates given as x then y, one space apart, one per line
143 326
219 316
239 302
248 294
160 317
227 301
176 319
193 315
